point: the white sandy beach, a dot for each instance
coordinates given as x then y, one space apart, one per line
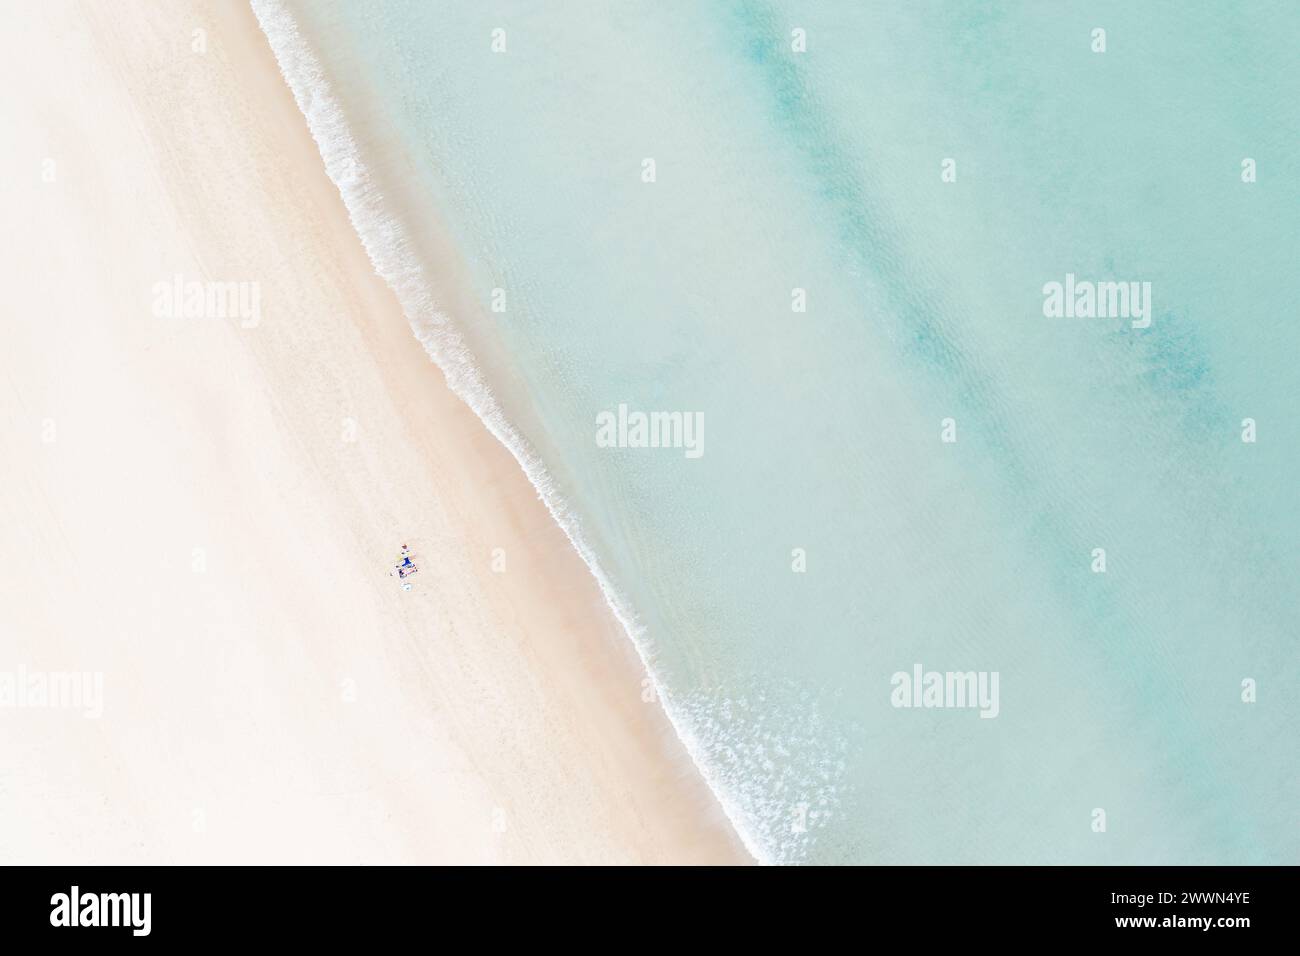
206 510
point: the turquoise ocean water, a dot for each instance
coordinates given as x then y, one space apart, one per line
828 537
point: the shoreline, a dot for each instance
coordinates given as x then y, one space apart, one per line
269 693
402 270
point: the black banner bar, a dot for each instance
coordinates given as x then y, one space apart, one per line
335 906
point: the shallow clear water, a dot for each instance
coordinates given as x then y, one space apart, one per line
821 171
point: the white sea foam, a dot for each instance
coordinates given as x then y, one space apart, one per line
783 760
387 244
